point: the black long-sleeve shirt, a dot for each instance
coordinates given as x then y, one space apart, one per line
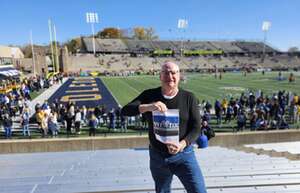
189 116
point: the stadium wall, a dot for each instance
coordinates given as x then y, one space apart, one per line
101 142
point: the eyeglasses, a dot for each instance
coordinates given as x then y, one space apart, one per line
167 72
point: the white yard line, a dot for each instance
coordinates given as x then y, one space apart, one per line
34 188
51 179
131 87
63 173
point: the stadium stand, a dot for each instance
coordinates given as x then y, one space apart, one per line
86 62
163 45
197 45
227 47
88 45
254 47
127 170
139 46
292 61
112 45
116 56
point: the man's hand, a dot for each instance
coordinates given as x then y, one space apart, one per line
157 106
175 148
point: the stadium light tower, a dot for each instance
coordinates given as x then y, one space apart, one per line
265 28
182 24
51 44
92 18
56 51
32 50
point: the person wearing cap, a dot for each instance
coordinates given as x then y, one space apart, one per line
169 159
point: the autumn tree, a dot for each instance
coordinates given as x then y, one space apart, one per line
142 33
110 32
139 33
73 45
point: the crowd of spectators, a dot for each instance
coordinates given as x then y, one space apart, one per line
51 117
253 110
15 100
258 111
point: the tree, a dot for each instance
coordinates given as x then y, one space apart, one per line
150 34
139 33
110 32
73 45
27 51
142 33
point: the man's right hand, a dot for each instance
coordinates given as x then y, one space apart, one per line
156 106
160 106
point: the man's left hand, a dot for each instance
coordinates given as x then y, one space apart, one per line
175 148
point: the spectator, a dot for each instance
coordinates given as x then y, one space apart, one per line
69 118
206 134
218 111
25 122
123 123
39 115
112 119
224 105
93 125
44 125
53 124
84 114
78 120
229 113
241 121
7 124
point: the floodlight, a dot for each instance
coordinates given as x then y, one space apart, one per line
92 18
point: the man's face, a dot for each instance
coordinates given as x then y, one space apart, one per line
170 76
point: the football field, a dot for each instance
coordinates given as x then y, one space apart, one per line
206 86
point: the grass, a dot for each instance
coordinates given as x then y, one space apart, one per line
205 86
84 132
35 94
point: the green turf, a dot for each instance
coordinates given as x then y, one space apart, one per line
205 86
35 94
102 131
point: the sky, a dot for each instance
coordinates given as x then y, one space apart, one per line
207 19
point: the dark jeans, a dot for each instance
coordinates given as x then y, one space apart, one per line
184 165
8 132
77 126
92 131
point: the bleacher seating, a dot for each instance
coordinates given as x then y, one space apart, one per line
127 170
139 46
88 42
226 46
198 45
116 55
163 45
112 45
254 47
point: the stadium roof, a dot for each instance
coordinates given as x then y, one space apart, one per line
146 46
9 71
10 52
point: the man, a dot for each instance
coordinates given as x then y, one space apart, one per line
168 159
